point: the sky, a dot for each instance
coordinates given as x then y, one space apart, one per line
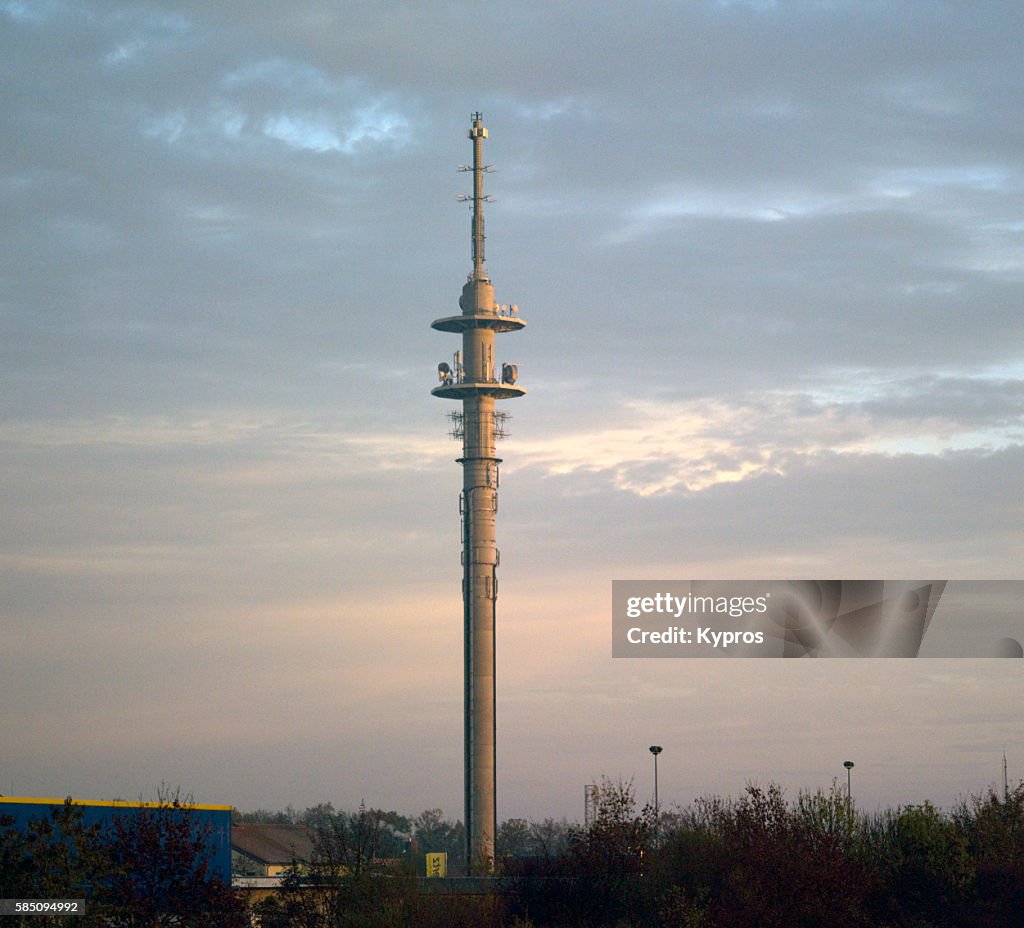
771 257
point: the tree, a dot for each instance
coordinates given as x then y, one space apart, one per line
619 835
550 839
395 834
994 830
513 839
55 857
148 867
345 882
787 867
433 833
609 857
157 872
265 817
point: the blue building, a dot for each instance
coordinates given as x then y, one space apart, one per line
213 822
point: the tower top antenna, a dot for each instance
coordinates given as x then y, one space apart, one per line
477 133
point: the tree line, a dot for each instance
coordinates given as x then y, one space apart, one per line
756 861
406 839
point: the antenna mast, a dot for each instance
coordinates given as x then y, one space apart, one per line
478 133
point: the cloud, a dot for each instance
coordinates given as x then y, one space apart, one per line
289 102
32 11
663 446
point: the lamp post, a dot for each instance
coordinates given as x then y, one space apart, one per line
656 750
848 764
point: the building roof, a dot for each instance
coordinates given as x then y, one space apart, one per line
273 844
184 805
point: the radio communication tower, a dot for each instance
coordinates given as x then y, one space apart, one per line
474 378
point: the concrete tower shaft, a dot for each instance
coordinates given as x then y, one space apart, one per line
475 378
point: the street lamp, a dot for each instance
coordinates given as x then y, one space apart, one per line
656 750
848 764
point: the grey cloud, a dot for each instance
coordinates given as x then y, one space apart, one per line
968 401
850 513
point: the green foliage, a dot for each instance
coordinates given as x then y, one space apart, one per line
514 839
395 834
920 866
777 867
829 816
758 861
994 831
